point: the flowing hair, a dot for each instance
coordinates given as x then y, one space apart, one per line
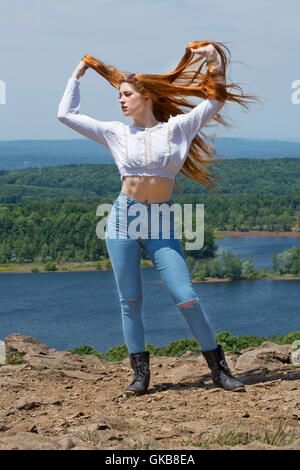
169 91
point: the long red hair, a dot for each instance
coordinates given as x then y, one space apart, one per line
169 91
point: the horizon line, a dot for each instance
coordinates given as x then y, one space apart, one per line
290 139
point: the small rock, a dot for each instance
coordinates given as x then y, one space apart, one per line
296 357
24 426
166 432
157 398
29 403
67 442
86 429
102 426
3 426
189 354
109 435
295 344
78 415
195 427
120 424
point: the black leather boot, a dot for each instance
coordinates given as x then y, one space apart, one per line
140 365
221 374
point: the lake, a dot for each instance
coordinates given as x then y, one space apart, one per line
65 310
259 248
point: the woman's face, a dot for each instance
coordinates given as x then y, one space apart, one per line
131 101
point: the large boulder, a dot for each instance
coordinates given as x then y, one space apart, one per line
17 343
267 354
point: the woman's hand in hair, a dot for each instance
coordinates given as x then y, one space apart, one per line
80 70
208 51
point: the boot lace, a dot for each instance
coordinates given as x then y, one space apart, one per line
141 368
225 368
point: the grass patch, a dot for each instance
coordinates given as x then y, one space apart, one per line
7 268
181 346
86 265
14 358
277 438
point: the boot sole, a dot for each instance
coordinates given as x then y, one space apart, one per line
134 391
237 389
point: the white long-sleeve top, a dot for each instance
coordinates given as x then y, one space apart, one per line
157 151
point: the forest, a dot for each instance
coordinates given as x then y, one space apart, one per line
49 214
278 176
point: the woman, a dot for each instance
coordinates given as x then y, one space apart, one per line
162 141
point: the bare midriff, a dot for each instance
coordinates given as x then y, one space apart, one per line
150 189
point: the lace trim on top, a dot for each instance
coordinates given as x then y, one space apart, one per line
148 153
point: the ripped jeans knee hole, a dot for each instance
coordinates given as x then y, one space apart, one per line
189 304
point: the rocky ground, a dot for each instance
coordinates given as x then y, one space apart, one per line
57 400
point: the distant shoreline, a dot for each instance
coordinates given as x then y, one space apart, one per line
231 233
77 266
70 267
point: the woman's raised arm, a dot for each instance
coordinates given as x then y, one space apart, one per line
194 120
80 70
68 110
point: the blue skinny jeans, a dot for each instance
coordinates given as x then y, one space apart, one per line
124 249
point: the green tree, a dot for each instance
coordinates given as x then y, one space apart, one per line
249 269
295 268
232 265
285 261
50 266
215 268
275 262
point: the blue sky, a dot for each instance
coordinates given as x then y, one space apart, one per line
41 42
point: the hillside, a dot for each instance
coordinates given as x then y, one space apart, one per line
276 176
58 400
20 154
